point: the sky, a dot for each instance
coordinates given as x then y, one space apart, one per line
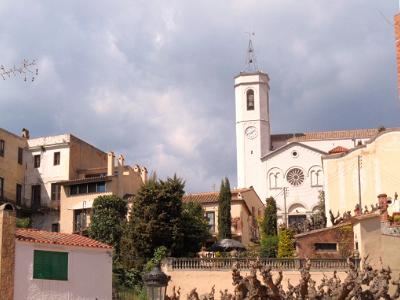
153 79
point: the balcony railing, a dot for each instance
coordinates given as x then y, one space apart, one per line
216 264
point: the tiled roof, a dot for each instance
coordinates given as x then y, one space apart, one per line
326 135
57 238
211 197
338 149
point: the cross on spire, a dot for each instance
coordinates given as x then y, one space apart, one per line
251 62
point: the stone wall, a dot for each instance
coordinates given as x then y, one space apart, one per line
7 251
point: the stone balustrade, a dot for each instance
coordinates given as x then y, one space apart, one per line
288 264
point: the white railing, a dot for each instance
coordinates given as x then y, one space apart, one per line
246 263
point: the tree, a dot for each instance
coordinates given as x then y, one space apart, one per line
224 210
269 225
318 218
286 243
155 220
108 220
195 227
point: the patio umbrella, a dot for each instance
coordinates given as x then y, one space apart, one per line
227 245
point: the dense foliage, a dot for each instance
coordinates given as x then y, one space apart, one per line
108 220
195 228
23 222
269 246
286 243
269 225
224 210
155 220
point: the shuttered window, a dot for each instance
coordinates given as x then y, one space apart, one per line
50 265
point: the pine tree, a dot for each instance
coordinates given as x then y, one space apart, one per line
155 220
224 210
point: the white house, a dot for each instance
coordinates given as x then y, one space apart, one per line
52 265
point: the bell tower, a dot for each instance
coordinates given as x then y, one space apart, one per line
252 124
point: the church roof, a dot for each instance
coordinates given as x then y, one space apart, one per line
292 144
326 135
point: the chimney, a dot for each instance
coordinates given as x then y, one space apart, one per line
383 205
7 251
25 133
121 161
397 37
110 163
143 174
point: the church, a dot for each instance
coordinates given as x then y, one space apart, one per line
287 167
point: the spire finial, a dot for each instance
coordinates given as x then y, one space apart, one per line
251 62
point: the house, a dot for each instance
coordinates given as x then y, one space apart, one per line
77 195
246 208
352 177
33 172
37 264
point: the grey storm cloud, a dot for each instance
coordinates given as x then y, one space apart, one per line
154 79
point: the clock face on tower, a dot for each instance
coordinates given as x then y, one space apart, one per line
251 132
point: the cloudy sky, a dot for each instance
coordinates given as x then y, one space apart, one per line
154 79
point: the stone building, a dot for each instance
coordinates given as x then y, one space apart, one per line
77 194
12 171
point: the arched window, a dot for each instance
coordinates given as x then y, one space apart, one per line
250 99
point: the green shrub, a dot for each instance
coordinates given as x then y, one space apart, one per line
286 243
396 219
269 246
23 222
159 254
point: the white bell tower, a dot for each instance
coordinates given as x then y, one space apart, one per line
252 125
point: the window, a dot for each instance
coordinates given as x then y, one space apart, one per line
35 196
50 265
295 177
57 157
55 227
325 246
316 178
55 191
250 99
80 220
297 219
210 216
36 161
18 196
20 155
87 188
1 188
2 147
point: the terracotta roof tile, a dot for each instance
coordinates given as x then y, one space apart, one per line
57 238
338 149
211 197
327 135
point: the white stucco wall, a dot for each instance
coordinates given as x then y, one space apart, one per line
89 274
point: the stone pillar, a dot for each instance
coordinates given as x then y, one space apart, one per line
383 205
397 37
7 251
110 163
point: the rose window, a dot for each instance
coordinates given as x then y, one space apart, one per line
295 177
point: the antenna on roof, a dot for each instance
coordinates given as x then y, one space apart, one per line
251 62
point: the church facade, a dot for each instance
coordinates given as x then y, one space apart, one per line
287 167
